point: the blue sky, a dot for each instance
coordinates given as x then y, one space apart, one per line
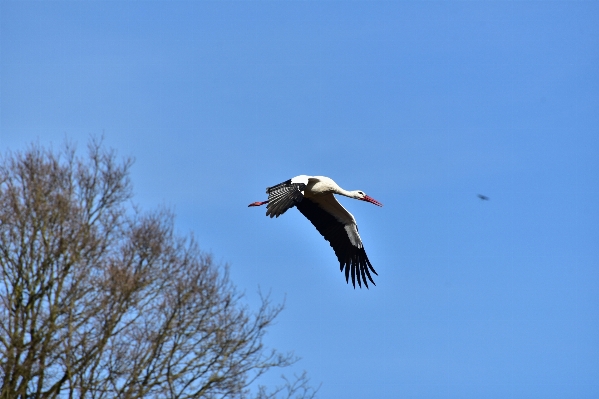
422 105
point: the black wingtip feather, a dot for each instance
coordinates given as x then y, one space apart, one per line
346 273
364 277
358 265
365 269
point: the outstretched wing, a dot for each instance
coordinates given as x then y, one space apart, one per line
339 228
285 195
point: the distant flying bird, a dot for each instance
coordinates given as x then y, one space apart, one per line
313 197
483 197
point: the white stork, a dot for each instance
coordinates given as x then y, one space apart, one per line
313 197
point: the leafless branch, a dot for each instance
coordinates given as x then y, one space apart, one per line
98 300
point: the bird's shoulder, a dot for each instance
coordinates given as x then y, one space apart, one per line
320 185
328 203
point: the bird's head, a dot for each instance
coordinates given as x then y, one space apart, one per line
363 197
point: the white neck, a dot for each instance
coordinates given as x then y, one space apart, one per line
350 194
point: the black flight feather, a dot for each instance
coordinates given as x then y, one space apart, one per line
351 258
283 196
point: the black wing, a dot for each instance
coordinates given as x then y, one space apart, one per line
351 258
283 196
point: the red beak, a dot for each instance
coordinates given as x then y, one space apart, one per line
371 200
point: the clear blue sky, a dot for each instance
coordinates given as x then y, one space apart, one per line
421 105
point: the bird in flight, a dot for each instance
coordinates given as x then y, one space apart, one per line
483 197
313 197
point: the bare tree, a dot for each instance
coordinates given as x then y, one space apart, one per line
98 300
